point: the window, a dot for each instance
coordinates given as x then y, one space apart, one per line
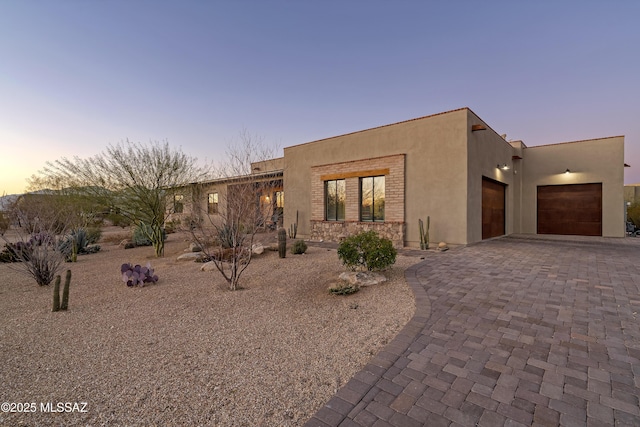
279 196
178 205
372 198
212 203
334 195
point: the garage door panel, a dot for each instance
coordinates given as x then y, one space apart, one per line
493 208
574 209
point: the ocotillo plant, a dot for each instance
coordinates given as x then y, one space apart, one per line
282 243
424 234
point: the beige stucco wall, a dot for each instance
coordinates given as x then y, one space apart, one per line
487 149
590 161
196 203
435 181
268 165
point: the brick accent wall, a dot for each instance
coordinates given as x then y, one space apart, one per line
392 167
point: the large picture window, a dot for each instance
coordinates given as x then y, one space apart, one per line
372 198
212 203
334 192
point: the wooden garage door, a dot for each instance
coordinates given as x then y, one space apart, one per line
492 208
574 209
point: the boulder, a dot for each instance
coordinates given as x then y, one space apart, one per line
362 278
208 266
442 246
191 256
257 249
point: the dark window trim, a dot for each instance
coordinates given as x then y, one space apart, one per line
373 191
335 215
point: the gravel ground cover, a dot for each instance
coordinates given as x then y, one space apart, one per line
186 351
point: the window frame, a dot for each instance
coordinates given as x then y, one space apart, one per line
335 216
212 206
178 203
278 198
374 215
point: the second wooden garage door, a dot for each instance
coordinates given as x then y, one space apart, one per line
574 209
492 208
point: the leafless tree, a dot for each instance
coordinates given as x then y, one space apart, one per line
242 209
135 180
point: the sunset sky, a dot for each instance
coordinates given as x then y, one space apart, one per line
76 75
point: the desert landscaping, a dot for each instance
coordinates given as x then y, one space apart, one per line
186 350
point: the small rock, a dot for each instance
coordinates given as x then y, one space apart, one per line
257 249
442 246
194 247
362 278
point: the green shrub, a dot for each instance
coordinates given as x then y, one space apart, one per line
141 235
633 213
4 223
11 252
118 220
80 241
344 289
171 226
228 236
299 247
93 235
367 250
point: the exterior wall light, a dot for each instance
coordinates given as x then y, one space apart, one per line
504 167
567 172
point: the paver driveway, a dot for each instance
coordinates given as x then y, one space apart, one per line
511 332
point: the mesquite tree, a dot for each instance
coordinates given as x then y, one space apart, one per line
132 179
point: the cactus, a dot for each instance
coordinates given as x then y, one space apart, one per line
282 243
137 275
424 233
56 295
65 293
293 228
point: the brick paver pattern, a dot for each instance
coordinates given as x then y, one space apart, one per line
509 332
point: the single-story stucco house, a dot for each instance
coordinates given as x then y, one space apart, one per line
454 168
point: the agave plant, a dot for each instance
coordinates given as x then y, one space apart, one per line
137 275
